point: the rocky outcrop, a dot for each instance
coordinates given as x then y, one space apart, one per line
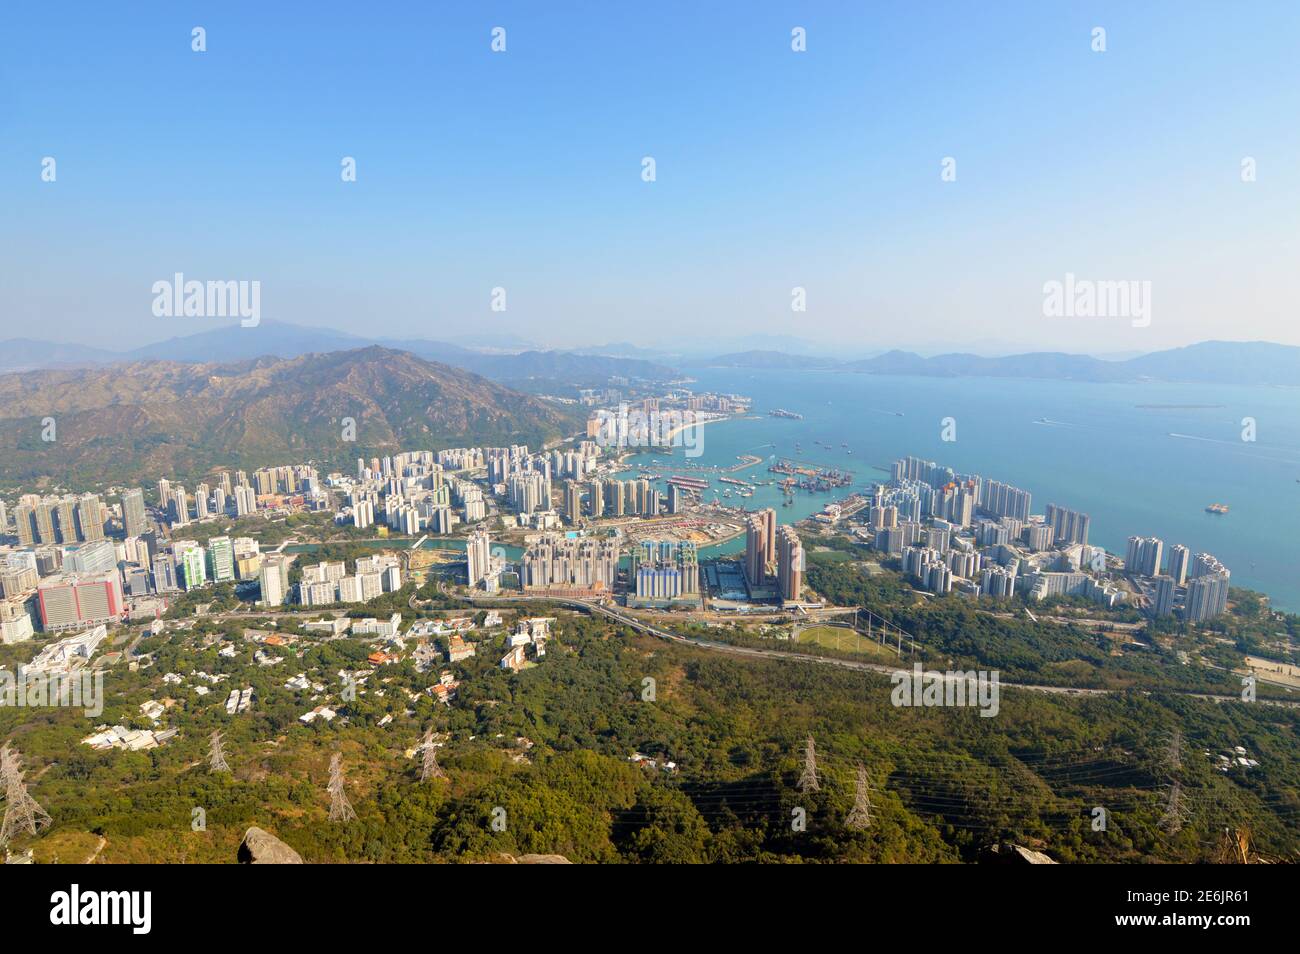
1009 854
262 848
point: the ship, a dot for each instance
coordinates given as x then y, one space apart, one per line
1217 508
782 412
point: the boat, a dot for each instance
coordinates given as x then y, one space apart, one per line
1217 508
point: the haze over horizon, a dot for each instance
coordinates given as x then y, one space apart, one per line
775 169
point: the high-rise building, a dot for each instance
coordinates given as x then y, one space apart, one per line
180 507
221 559
1180 562
1207 590
245 500
66 515
789 563
556 562
1004 500
164 573
90 518
268 579
478 556
573 501
665 570
1145 556
25 523
997 581
134 519
760 546
193 566
45 521
1163 604
1068 526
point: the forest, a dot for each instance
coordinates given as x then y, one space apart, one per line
540 761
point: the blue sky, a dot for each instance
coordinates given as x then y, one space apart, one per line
775 169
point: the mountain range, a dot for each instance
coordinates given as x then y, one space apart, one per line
530 370
1209 362
146 419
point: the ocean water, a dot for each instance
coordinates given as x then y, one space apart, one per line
1138 458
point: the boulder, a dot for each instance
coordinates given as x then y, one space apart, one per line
1009 854
262 848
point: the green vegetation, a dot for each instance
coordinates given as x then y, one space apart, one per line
999 635
944 782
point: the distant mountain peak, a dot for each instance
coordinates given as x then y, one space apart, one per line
145 419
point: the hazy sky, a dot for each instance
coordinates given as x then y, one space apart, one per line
775 169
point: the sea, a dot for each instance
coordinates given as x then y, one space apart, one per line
1143 459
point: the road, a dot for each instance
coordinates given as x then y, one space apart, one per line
612 613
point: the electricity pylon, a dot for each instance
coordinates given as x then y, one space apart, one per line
22 813
860 815
1173 759
1175 815
217 754
808 780
429 767
340 807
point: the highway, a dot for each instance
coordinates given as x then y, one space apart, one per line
612 613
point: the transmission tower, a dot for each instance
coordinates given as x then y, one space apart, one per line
1173 759
22 813
860 815
340 807
429 767
217 754
1175 815
808 780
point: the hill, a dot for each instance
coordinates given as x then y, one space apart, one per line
542 370
146 419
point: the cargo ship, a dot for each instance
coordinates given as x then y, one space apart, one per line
782 412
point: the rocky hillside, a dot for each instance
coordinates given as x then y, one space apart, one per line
147 419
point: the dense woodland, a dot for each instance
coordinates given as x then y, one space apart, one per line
943 783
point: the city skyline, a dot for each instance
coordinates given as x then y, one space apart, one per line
775 170
695 434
